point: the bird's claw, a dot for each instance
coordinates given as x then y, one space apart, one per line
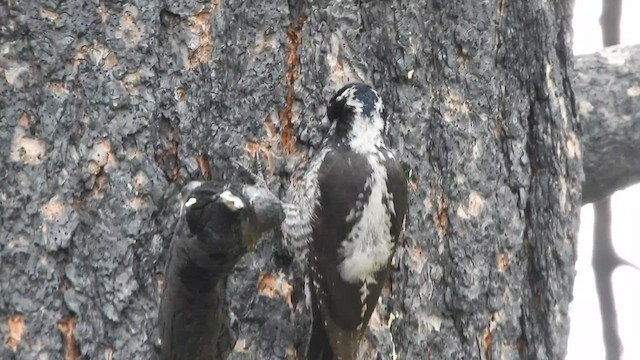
258 176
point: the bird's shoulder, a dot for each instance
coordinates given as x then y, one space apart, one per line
345 169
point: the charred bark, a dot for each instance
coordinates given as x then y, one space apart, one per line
218 226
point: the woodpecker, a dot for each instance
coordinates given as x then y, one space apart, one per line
346 215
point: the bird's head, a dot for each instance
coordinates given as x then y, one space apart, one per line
357 112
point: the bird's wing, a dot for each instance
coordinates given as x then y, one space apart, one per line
397 185
296 227
342 178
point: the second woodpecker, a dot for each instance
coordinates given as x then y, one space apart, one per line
347 214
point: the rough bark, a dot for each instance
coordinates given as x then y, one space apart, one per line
107 106
607 86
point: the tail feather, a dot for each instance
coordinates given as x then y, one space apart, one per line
319 345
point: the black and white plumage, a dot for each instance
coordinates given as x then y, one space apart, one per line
345 220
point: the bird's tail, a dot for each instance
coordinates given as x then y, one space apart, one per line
319 345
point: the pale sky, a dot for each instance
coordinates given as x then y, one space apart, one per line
585 340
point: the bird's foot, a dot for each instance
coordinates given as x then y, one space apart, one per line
256 175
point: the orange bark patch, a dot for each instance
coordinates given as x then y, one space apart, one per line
95 52
28 150
463 55
200 47
138 202
52 209
294 34
128 30
252 147
100 182
413 186
57 88
131 82
271 286
160 281
16 330
487 337
102 155
440 218
265 147
110 60
66 326
139 180
487 334
291 352
241 346
24 121
375 323
180 93
474 207
24 147
168 154
204 166
199 44
502 262
104 13
388 287
417 254
49 14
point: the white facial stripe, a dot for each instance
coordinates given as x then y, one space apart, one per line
365 134
190 202
231 201
379 105
348 93
355 104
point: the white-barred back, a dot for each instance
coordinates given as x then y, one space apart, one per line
297 228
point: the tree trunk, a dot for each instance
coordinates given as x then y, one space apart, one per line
108 107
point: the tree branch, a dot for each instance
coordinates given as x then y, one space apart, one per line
604 261
217 226
607 87
604 258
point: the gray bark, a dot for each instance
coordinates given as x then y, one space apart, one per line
607 86
106 107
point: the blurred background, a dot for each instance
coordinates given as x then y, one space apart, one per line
586 337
